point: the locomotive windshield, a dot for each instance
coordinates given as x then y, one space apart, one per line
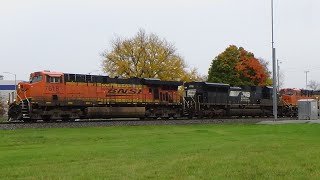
35 79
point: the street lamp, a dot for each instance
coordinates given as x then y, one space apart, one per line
15 82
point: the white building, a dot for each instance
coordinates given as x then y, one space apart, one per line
7 89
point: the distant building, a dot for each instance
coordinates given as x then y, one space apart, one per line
6 88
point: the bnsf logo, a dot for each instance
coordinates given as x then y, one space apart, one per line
124 91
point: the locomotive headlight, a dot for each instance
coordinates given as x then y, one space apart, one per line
19 86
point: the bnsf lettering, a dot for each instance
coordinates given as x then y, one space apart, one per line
124 91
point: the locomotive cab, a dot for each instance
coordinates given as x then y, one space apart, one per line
43 86
32 93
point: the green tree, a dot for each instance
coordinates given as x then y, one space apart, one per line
237 66
146 56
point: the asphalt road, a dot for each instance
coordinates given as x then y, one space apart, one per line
291 122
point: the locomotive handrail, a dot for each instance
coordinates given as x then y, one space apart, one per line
25 95
185 102
199 102
284 102
194 103
19 97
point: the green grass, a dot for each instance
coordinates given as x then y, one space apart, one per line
163 152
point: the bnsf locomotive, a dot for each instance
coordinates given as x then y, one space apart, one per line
290 96
52 96
62 96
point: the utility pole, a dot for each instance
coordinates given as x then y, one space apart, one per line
278 68
306 78
274 70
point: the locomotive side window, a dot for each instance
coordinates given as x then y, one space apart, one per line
72 77
53 79
88 78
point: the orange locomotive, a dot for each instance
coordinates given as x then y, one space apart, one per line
53 96
291 96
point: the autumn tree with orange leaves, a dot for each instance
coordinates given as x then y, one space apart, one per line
237 66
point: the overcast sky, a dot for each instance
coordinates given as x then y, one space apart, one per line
70 35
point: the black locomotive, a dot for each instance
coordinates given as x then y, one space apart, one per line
203 99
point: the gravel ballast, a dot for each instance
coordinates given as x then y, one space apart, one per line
101 123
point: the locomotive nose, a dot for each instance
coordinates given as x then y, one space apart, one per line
22 86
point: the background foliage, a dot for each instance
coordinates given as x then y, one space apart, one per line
239 67
146 56
314 85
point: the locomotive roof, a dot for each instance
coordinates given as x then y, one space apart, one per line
53 73
48 73
216 84
235 88
152 81
209 84
107 79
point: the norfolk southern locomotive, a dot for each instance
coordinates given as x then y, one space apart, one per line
53 96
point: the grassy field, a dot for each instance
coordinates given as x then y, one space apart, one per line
163 152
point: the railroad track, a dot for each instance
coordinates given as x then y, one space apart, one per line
130 122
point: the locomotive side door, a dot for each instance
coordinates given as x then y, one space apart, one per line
155 94
54 89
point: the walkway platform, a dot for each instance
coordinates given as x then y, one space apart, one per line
291 122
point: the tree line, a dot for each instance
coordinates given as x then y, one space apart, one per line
149 56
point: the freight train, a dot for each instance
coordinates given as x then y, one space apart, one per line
51 96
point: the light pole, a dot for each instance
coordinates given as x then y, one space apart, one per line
278 69
15 82
274 69
306 79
